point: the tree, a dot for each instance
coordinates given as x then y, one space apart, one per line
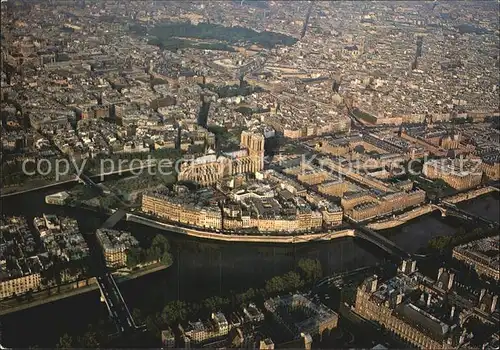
137 315
154 253
214 303
153 324
29 295
439 243
65 342
275 285
174 311
133 257
292 281
247 296
89 340
159 250
166 259
311 268
161 242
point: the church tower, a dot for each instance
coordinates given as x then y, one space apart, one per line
254 143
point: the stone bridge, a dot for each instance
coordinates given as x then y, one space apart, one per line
447 208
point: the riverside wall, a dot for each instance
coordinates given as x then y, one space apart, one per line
402 218
469 195
428 208
72 289
323 236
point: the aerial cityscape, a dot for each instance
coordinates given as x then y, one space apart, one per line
250 174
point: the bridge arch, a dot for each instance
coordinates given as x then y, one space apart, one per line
383 243
443 211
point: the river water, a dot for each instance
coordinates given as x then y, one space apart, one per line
416 233
201 269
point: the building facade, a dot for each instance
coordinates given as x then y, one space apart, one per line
387 204
209 169
163 206
211 218
114 245
19 285
315 318
425 313
459 174
200 332
482 255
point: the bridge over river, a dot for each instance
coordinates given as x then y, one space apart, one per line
379 240
447 208
110 293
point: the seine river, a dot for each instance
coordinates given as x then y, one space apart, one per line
201 268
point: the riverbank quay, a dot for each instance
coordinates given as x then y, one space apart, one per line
71 289
323 236
35 185
403 218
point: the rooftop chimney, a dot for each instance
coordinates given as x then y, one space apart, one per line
494 303
481 296
413 265
440 272
462 337
266 344
403 266
450 280
373 286
307 340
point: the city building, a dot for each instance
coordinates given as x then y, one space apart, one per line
482 255
266 344
59 198
19 285
301 315
200 208
200 332
61 237
210 168
114 245
461 174
369 206
168 339
425 313
333 188
253 314
92 82
26 253
263 205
